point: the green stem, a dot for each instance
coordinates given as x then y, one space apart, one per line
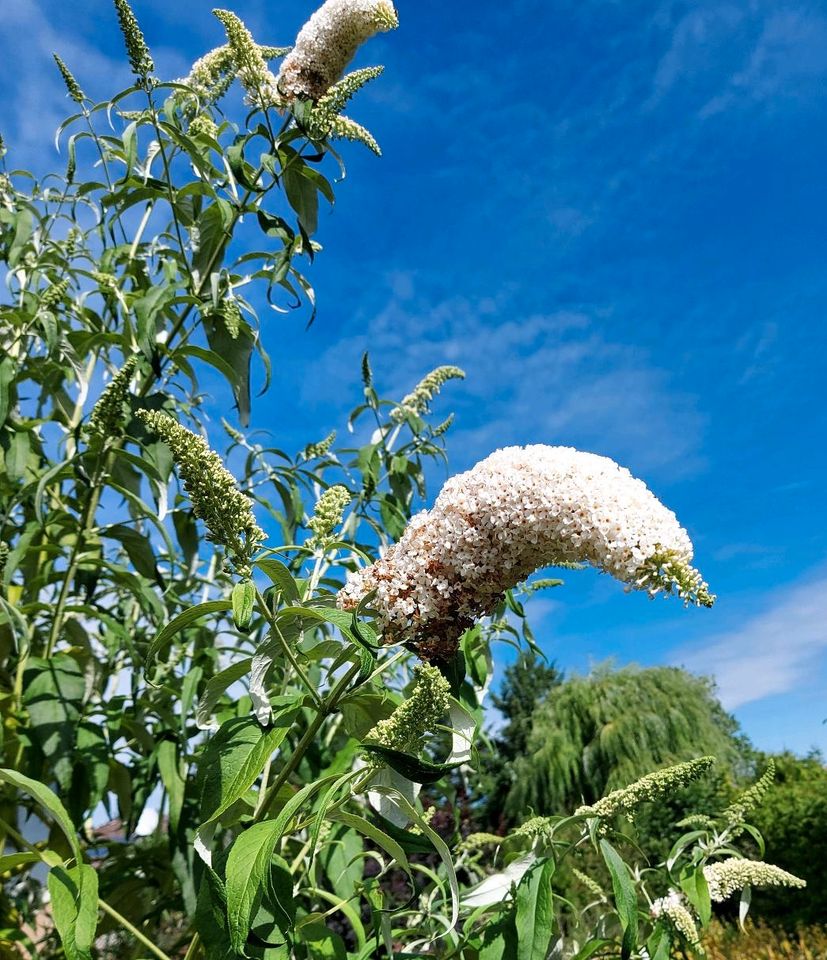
274 629
87 520
136 933
327 707
195 943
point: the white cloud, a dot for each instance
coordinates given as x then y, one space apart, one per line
773 652
544 378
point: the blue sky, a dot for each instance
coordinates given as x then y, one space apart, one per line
612 215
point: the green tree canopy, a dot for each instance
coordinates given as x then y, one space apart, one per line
595 733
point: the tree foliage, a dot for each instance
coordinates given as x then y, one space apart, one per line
594 733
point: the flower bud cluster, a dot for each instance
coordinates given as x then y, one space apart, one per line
741 808
661 783
203 125
314 451
592 886
216 499
419 401
136 49
107 416
669 572
520 509
251 67
406 728
72 86
674 909
328 514
728 876
328 42
53 294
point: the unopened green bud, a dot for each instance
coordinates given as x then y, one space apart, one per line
367 373
343 128
654 786
107 417
314 451
53 294
72 86
419 400
592 886
136 49
406 728
328 514
216 499
251 67
741 808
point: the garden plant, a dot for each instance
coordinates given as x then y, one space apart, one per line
271 649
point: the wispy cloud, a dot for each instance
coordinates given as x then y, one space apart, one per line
543 378
773 652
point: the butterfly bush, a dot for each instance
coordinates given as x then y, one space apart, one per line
673 908
327 43
520 509
728 876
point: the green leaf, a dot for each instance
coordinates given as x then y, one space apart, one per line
215 687
302 194
184 619
53 697
420 771
277 912
281 577
534 918
8 372
213 235
13 860
499 941
248 869
372 832
243 600
173 777
625 897
234 758
138 549
74 904
694 885
237 352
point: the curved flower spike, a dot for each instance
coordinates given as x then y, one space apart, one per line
520 509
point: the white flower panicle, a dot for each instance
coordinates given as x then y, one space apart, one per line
520 509
673 908
653 786
327 43
728 876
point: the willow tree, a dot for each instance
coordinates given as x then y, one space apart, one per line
595 733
